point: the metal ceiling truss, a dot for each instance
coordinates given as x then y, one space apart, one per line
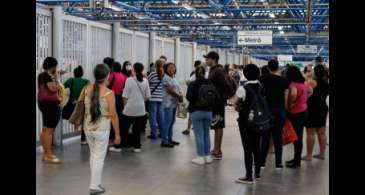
216 22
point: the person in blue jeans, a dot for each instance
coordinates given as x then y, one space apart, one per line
276 91
155 106
172 93
201 116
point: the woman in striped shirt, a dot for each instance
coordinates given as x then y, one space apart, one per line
155 105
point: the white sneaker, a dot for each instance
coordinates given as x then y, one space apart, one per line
208 159
198 160
114 149
137 150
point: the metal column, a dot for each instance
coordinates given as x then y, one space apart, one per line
115 39
57 52
152 47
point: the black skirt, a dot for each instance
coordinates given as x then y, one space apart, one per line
317 117
51 114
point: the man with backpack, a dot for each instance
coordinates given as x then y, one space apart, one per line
226 87
254 119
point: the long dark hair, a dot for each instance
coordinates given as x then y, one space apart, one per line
200 73
166 66
138 68
126 72
293 74
159 69
101 72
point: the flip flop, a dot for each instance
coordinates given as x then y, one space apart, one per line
304 158
318 157
51 161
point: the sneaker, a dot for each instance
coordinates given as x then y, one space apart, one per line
216 156
174 143
114 149
290 162
198 160
186 132
244 180
151 137
167 145
208 159
137 150
263 166
279 167
257 177
293 166
101 187
97 191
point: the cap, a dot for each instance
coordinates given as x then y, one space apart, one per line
212 55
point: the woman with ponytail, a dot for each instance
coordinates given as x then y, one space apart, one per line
136 92
100 113
155 105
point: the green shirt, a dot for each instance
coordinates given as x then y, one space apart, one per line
77 85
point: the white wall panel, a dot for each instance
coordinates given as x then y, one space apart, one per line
141 50
158 49
236 58
185 66
200 51
125 49
229 58
101 47
169 50
222 57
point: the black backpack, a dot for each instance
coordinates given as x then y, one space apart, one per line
207 96
230 86
259 115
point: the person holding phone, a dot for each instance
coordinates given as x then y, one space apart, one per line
49 104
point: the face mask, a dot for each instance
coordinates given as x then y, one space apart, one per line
128 67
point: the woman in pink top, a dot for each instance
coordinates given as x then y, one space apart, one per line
298 96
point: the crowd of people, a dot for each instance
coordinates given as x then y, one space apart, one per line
122 98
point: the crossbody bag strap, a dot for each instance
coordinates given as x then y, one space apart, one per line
154 89
140 89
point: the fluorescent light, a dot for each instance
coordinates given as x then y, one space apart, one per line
188 7
276 22
280 28
271 15
205 16
226 28
174 27
115 8
281 32
174 1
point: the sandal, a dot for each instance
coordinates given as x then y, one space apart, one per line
304 158
51 161
319 157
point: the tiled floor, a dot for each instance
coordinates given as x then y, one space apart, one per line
160 171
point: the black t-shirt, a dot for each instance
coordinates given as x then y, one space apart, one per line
44 78
275 87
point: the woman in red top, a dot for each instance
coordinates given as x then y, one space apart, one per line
298 95
116 83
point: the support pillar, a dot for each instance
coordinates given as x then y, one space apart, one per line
152 46
115 39
177 52
57 52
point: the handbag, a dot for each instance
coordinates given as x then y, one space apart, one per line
78 113
181 110
70 106
289 135
45 95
